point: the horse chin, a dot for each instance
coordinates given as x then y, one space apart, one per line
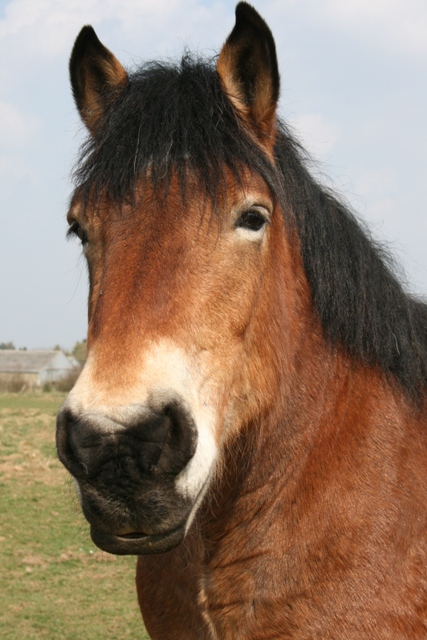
137 543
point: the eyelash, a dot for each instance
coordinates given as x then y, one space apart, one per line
252 220
76 230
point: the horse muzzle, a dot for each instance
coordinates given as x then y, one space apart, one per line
127 473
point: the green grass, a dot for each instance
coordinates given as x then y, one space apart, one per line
55 583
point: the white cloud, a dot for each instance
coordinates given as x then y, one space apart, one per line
47 27
382 180
317 135
392 24
375 194
50 24
397 22
16 127
15 171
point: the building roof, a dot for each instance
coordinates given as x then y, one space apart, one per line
14 361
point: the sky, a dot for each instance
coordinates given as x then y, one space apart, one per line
354 88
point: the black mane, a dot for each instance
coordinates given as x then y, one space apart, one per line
355 292
176 119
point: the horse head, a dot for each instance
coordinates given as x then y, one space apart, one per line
187 255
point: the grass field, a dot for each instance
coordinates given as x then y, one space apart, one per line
54 583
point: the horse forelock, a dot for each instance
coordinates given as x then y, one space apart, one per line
171 120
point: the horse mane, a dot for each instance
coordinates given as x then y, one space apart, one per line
174 119
361 304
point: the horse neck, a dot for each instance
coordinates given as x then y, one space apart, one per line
263 462
327 405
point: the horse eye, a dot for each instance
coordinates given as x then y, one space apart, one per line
76 230
252 220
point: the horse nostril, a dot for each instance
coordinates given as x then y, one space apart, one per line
181 439
69 451
160 441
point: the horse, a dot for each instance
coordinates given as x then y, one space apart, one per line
251 418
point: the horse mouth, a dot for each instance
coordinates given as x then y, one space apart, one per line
136 542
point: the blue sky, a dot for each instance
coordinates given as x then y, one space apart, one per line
354 87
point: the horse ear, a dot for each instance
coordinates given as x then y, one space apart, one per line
247 66
96 76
